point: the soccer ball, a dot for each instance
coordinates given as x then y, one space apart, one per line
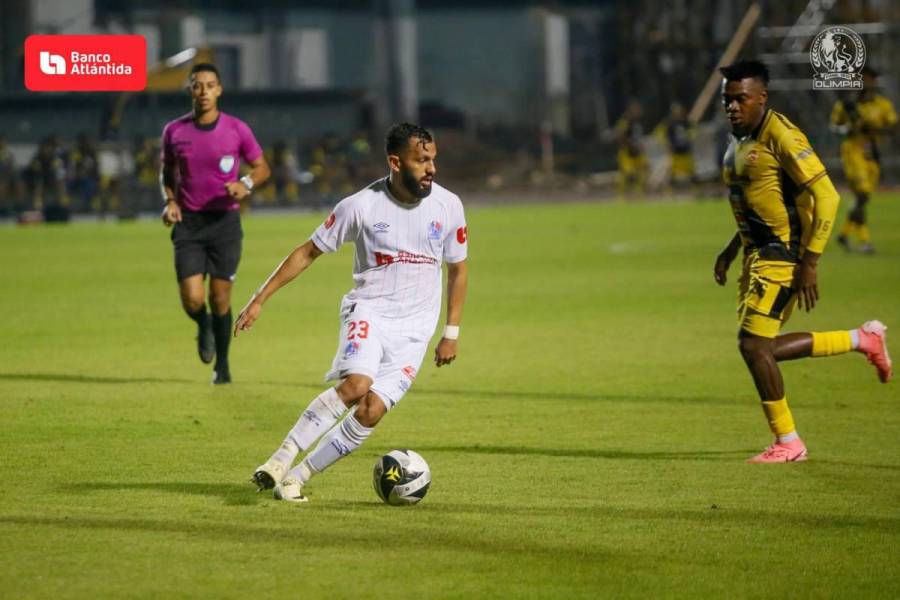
401 477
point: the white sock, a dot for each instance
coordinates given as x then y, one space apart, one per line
318 418
286 453
789 437
337 443
302 472
854 338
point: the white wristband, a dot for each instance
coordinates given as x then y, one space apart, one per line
248 182
451 332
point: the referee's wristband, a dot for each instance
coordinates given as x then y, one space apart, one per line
451 332
248 182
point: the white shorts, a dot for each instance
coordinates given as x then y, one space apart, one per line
365 347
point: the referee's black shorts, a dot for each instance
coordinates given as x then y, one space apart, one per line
209 243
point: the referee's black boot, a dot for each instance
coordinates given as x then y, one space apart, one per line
206 340
221 375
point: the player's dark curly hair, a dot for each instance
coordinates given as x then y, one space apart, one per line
398 136
205 67
744 69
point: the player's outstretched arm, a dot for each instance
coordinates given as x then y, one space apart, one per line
725 258
457 286
295 263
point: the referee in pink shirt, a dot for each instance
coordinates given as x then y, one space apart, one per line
201 156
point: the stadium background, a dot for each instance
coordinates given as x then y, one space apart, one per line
522 94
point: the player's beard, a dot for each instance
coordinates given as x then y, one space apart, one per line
413 186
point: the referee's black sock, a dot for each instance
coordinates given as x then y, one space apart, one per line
205 339
221 325
199 316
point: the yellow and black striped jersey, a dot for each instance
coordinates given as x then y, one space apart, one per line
768 174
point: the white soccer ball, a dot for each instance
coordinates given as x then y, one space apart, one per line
401 477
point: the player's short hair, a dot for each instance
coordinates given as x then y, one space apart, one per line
200 67
752 69
398 136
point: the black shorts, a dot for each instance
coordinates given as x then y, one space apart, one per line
208 243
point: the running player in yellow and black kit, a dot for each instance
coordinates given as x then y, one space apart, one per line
678 133
785 205
631 159
862 121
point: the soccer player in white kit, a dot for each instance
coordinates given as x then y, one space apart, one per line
403 226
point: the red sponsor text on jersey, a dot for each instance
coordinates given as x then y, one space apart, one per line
85 63
403 257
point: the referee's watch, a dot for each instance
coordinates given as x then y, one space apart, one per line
248 182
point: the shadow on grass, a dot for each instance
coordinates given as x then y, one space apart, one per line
69 378
426 527
322 534
754 519
706 514
729 455
232 494
854 465
537 395
530 395
736 456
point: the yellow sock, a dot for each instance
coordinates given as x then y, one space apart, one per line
781 422
829 343
848 228
862 232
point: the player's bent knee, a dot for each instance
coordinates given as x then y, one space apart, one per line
753 347
220 300
192 304
370 410
220 306
354 388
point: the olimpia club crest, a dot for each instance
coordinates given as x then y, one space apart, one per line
837 55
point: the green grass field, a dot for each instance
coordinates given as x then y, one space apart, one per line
588 442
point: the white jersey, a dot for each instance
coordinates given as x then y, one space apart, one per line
399 252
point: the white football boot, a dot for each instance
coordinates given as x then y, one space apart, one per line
269 474
290 489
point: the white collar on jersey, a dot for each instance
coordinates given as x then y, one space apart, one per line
387 190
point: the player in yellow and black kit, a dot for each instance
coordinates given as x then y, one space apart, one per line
862 121
678 133
785 205
631 158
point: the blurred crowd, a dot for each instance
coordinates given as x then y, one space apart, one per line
60 177
636 158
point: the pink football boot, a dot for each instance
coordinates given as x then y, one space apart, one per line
873 343
782 452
